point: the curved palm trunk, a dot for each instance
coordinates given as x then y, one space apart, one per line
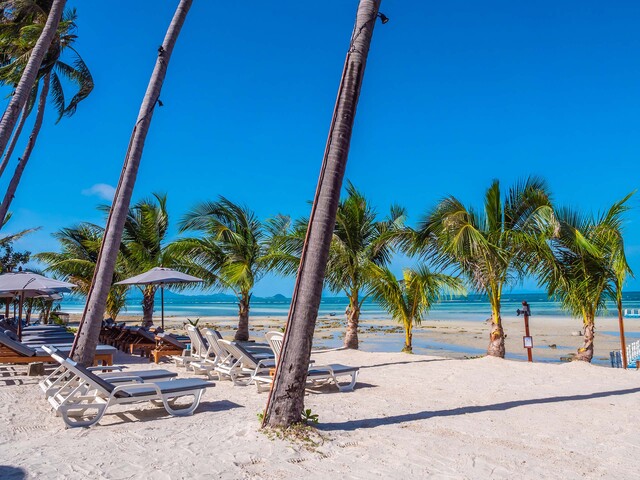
242 333
28 78
408 337
286 400
496 337
585 353
14 141
148 297
22 163
353 319
89 330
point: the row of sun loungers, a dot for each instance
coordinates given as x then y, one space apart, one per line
246 363
152 343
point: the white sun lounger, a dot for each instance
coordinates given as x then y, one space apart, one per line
62 378
96 394
240 365
318 375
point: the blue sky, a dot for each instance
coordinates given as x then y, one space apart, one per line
456 93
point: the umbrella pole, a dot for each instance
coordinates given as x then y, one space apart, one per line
21 298
162 303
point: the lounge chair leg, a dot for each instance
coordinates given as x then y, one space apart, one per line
181 412
350 386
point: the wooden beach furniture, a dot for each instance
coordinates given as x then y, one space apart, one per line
86 404
167 345
12 351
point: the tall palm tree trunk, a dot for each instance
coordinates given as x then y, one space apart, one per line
496 337
28 78
408 337
286 400
242 333
585 353
14 141
22 163
353 319
87 338
148 298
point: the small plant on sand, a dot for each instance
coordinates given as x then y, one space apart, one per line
302 433
309 417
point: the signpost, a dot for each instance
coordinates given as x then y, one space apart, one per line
527 340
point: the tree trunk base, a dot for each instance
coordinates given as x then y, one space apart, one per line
496 341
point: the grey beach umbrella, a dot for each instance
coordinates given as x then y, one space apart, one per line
160 276
28 284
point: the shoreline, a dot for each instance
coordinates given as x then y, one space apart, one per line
554 337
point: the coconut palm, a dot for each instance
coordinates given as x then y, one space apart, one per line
408 300
286 399
359 242
89 329
76 263
11 13
232 253
488 248
54 67
583 263
144 244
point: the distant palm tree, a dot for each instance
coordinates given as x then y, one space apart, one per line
360 241
83 350
408 300
52 68
583 263
488 248
144 244
11 13
233 253
76 263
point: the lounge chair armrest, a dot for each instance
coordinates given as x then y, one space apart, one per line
130 387
102 368
130 378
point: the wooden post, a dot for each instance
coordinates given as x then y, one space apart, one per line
526 312
623 343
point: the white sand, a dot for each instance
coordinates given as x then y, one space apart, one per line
409 417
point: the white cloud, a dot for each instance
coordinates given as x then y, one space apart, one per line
102 190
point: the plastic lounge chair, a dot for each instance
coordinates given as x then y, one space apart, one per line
12 351
94 393
239 363
318 375
214 355
197 352
61 378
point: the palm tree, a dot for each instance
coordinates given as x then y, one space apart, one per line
360 241
233 253
11 12
488 248
84 347
408 300
286 400
76 263
50 73
583 263
144 244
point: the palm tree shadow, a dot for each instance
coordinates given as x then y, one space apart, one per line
406 362
351 425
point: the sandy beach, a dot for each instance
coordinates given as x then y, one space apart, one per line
410 416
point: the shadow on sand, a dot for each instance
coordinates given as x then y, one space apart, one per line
406 362
158 413
8 472
426 414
